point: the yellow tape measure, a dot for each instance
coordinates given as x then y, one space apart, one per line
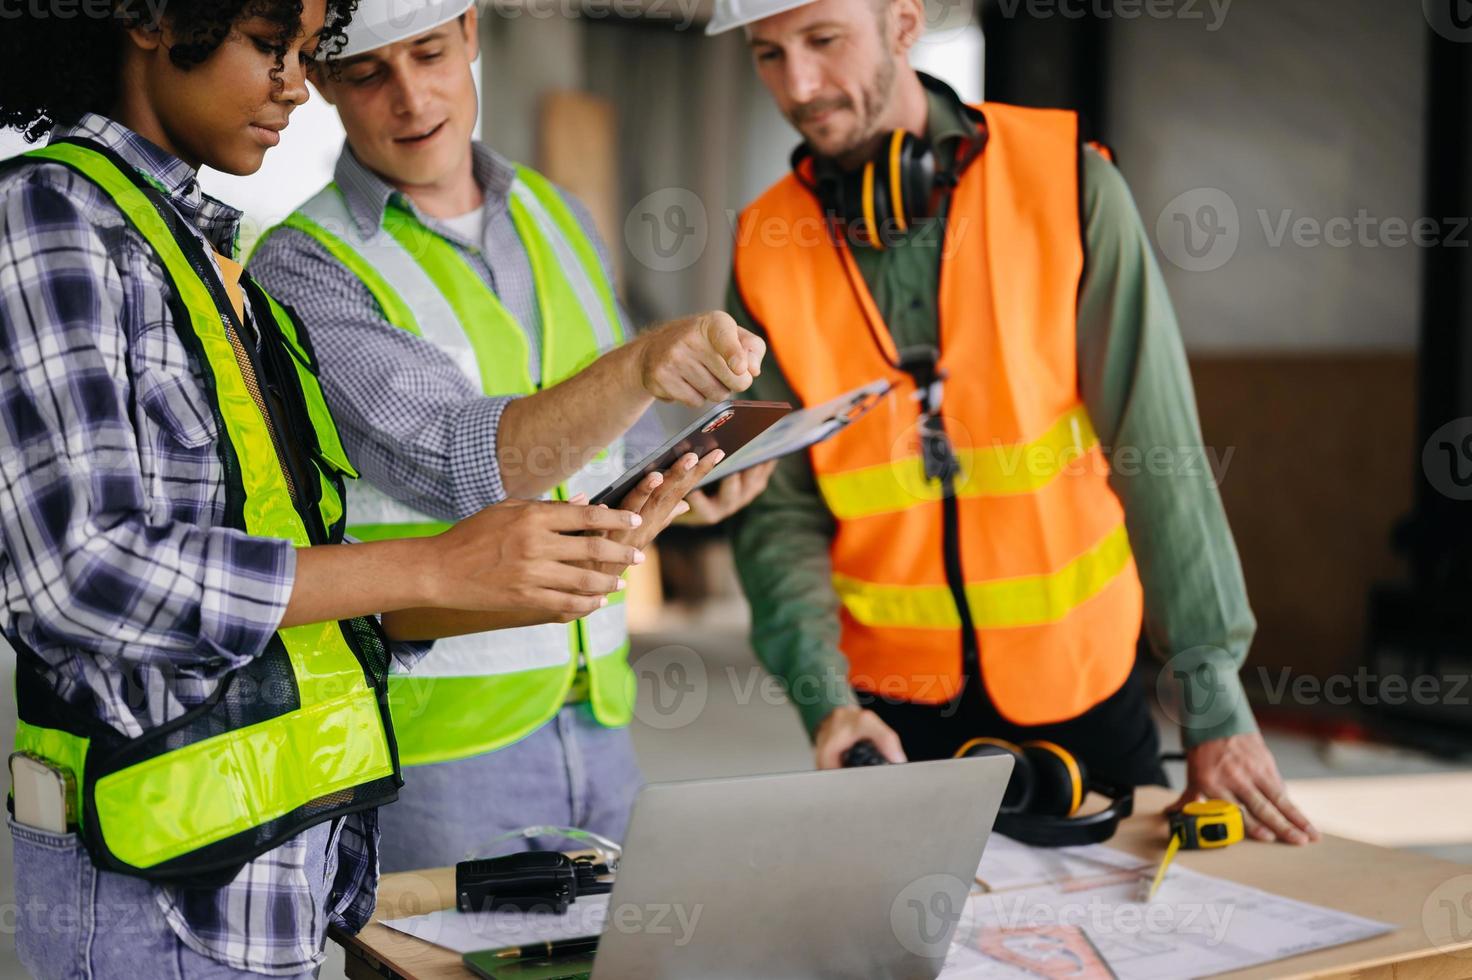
1198 826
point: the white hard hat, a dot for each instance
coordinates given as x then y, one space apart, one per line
379 22
730 14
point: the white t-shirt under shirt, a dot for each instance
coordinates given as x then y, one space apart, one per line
470 226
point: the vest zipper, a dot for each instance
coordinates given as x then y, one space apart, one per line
311 516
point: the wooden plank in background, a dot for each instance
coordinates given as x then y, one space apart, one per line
577 147
1321 469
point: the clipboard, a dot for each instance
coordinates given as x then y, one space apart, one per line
801 430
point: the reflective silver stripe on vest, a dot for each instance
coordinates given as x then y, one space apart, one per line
432 312
589 298
528 648
600 472
607 630
433 315
498 652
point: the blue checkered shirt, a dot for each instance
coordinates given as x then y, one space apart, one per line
115 568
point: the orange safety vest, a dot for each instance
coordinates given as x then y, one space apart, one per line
1046 566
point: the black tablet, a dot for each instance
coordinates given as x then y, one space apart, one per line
727 426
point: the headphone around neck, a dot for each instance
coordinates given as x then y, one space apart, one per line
899 187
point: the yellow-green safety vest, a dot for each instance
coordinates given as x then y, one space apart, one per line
474 694
302 733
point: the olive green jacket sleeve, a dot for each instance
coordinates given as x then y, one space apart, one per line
1137 388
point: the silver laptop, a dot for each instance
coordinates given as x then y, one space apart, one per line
843 873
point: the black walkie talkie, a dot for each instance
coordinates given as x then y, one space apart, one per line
862 753
532 881
937 455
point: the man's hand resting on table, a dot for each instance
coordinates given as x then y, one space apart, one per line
1240 768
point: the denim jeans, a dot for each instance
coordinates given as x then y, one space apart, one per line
571 772
76 922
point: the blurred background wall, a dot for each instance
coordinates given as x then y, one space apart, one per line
1303 351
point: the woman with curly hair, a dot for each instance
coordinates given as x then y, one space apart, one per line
203 734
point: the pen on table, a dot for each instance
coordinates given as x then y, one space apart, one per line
554 947
1170 852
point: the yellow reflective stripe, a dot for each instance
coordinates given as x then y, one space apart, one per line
1029 600
392 532
324 665
993 471
169 805
329 441
59 748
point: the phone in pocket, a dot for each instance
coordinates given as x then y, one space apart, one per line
44 794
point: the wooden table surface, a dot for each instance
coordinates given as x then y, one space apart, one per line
1428 900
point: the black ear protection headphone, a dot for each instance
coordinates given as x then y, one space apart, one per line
1044 793
888 194
1047 788
899 187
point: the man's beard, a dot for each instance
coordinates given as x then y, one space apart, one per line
876 97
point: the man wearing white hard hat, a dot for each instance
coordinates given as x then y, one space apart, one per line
969 568
472 346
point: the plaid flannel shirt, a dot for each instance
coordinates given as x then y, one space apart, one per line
115 569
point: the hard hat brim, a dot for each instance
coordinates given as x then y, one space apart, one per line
374 28
726 19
